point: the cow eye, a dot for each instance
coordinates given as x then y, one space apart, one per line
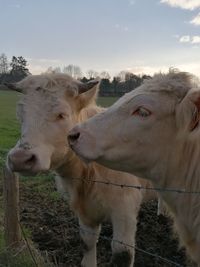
60 116
142 112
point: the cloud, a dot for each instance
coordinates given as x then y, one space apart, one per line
184 39
190 39
184 4
196 20
195 39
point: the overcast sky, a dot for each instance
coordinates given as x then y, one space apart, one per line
142 36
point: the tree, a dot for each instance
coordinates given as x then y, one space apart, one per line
92 74
105 75
84 80
115 84
19 68
146 77
3 64
105 87
122 75
49 70
73 70
132 81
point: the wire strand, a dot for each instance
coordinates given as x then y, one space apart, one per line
139 187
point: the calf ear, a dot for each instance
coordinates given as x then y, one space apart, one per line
189 112
87 93
84 87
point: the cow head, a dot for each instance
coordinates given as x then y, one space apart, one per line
49 108
141 132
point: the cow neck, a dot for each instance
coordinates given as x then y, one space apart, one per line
185 167
74 169
183 172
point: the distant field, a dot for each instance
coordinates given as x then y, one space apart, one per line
106 101
9 127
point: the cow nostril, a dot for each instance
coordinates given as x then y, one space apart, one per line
31 159
73 137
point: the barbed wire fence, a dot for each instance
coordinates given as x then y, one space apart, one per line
167 261
140 187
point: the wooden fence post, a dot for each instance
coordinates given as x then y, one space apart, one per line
11 208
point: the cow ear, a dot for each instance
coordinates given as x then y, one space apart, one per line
195 99
189 112
84 87
88 93
13 87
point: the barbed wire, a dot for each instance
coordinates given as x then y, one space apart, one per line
140 187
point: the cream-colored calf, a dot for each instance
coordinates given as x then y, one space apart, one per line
50 107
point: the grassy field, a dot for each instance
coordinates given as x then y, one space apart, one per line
9 129
9 134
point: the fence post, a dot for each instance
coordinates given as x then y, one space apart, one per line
11 208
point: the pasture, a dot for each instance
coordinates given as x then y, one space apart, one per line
51 225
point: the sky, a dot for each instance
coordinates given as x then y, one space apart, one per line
141 36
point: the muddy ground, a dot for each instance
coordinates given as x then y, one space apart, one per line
55 231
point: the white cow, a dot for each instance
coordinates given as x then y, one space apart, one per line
51 106
154 132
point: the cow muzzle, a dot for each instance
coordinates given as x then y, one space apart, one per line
84 144
21 160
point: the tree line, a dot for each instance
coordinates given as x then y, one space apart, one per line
117 86
13 71
124 82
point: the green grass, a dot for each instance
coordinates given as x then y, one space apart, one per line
9 128
106 101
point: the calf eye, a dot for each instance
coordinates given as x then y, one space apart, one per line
60 116
142 112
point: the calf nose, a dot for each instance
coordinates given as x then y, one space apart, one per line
73 136
21 160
